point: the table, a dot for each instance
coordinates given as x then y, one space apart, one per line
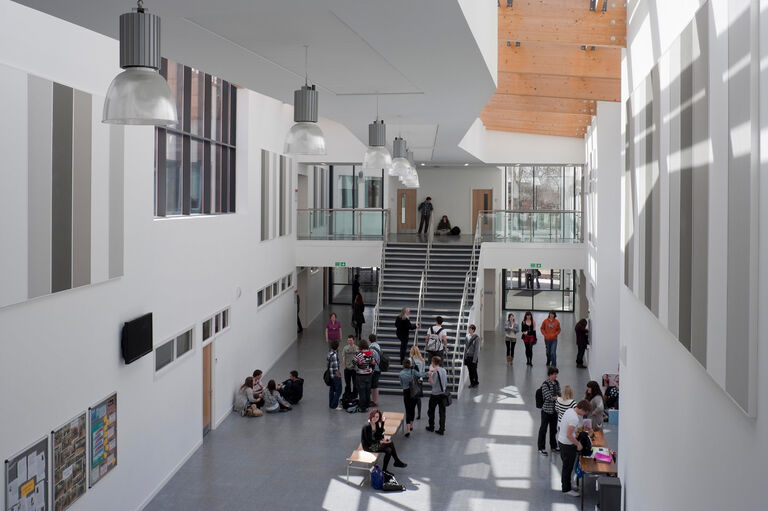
595 468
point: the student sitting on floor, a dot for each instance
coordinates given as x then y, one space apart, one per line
292 389
273 401
245 401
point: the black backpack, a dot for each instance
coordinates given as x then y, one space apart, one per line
539 398
383 360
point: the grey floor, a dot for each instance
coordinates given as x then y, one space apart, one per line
487 459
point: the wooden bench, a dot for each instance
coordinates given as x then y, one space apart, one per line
361 459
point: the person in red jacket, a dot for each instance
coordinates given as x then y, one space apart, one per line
550 329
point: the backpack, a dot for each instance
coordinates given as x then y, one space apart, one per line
383 360
415 388
434 342
539 398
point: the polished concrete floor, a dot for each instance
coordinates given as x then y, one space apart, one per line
487 459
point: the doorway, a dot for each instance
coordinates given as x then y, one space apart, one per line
406 210
207 387
482 200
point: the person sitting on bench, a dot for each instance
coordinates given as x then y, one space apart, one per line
372 439
292 389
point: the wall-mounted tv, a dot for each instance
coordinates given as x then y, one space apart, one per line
136 338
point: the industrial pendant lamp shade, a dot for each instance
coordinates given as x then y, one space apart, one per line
400 163
377 156
140 95
305 137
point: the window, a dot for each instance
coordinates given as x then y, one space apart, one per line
266 168
374 192
207 329
275 289
216 324
195 160
173 349
260 298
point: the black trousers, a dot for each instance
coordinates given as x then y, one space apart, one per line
349 381
439 402
389 452
472 368
424 223
580 355
363 384
528 351
548 420
403 348
568 455
410 406
510 346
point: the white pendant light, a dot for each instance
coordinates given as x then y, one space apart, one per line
140 95
305 137
412 179
400 163
377 156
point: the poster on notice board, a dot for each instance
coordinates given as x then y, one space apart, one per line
102 428
69 462
26 478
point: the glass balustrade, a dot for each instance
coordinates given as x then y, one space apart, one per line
556 226
342 224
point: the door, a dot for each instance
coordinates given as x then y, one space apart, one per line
482 200
406 210
207 388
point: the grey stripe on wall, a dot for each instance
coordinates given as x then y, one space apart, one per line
654 139
650 228
81 190
673 315
686 187
39 193
629 199
61 197
116 211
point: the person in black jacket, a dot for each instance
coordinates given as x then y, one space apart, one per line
292 389
582 339
372 439
528 328
358 317
404 326
355 288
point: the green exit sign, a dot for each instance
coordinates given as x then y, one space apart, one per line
340 263
535 265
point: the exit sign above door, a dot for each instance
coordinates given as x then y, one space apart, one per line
533 265
340 263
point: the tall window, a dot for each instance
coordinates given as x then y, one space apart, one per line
195 160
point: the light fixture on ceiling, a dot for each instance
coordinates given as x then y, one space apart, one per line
305 137
377 155
139 94
466 164
400 163
592 5
411 180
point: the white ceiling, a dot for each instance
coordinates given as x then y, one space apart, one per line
420 56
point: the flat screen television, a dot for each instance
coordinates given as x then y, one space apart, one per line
136 338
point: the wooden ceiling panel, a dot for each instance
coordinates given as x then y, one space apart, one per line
538 130
503 102
599 89
571 120
559 59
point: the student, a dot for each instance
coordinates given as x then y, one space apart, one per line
471 354
564 402
403 327
376 350
332 328
273 401
438 378
528 328
417 361
332 364
443 226
595 397
407 374
364 363
358 318
550 389
510 337
582 340
258 387
436 340
245 401
569 444
372 439
355 288
348 362
298 310
426 211
550 329
292 389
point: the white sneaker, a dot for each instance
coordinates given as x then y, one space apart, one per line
573 493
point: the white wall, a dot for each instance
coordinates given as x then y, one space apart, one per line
665 392
61 352
328 253
482 18
504 256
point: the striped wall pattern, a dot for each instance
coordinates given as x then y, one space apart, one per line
62 207
690 185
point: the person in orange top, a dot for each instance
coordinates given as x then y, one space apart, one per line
550 329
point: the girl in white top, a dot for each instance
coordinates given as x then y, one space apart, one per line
564 402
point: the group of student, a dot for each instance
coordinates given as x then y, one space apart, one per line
550 329
564 417
253 398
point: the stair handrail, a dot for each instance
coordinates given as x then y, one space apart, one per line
384 240
422 289
430 239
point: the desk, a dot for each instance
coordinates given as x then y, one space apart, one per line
595 468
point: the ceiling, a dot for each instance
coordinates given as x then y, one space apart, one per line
419 57
556 59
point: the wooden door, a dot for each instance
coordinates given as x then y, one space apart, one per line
407 214
207 388
482 200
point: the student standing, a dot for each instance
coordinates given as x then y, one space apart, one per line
438 378
358 318
550 389
426 211
376 350
355 287
417 361
595 397
403 327
332 328
528 328
564 402
510 337
436 339
407 374
569 444
582 340
332 364
364 364
348 362
550 329
471 354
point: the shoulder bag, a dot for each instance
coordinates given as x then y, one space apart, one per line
446 393
415 388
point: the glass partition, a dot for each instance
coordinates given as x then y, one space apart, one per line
532 226
326 224
538 289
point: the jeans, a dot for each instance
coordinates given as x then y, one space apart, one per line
529 351
548 419
551 352
334 392
510 346
349 381
580 355
410 406
424 223
568 455
438 401
472 368
363 384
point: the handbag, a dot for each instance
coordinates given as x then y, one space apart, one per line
327 377
415 388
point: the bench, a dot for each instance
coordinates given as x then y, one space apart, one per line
361 459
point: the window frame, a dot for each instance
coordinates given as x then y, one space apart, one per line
177 358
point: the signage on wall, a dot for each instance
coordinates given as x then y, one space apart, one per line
341 263
535 265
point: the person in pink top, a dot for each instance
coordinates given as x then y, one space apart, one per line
332 329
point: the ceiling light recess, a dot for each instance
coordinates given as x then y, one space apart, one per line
305 137
139 95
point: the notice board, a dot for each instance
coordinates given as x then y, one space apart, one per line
102 427
26 479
